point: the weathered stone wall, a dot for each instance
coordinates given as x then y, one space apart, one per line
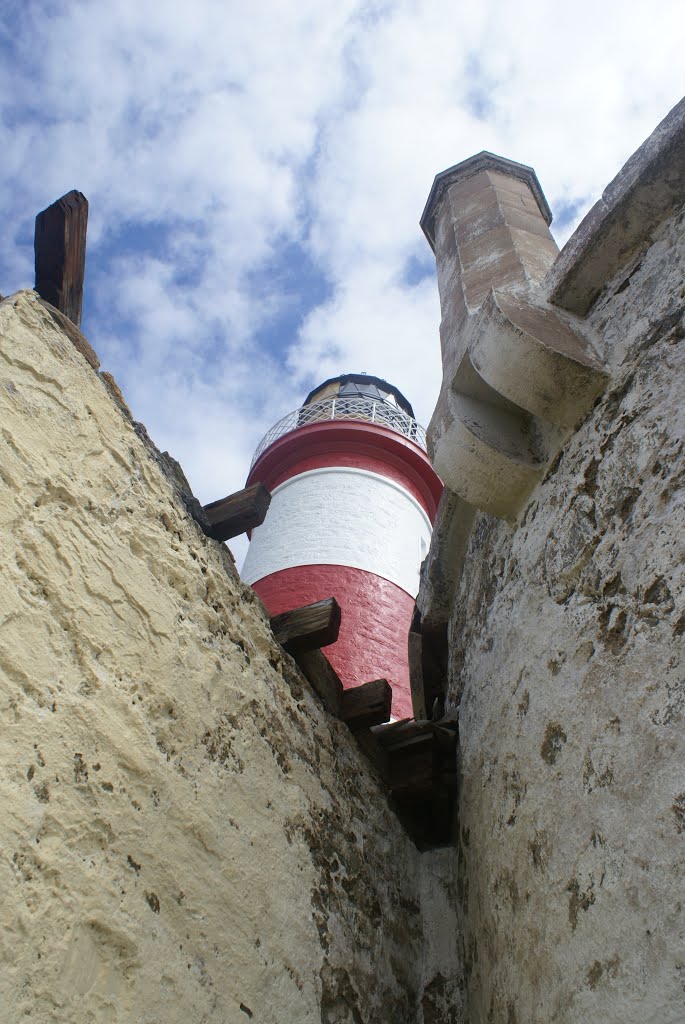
566 656
186 836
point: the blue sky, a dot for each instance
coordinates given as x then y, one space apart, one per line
256 173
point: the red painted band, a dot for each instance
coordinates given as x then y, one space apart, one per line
376 615
351 443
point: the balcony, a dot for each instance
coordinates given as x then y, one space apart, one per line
346 407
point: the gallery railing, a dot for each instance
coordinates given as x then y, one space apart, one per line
346 407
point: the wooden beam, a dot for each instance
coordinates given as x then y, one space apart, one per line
241 511
434 657
396 734
428 655
419 753
359 707
316 667
307 628
60 251
415 767
366 705
416 683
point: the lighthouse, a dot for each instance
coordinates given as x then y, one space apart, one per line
354 498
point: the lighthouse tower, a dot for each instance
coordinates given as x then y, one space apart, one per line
353 501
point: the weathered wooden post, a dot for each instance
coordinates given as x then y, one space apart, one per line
60 250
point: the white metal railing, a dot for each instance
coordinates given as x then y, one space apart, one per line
346 407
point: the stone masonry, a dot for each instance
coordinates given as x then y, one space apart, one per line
556 574
188 836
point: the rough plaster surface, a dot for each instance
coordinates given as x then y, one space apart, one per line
566 645
185 836
640 198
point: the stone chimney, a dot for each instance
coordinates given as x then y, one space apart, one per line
517 374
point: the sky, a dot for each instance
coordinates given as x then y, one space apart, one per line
256 172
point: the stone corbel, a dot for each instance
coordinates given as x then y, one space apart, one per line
517 374
525 378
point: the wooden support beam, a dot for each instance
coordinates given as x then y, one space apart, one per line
434 657
241 511
417 761
421 774
366 705
416 771
416 684
359 707
60 251
419 754
308 628
428 654
396 734
316 667
413 756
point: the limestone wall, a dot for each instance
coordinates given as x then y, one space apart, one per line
566 657
185 835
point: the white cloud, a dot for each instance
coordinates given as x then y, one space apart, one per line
229 132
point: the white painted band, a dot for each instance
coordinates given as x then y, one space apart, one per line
342 516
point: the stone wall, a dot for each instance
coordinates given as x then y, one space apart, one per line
186 835
566 662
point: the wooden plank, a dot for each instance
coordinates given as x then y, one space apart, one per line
366 705
307 628
427 648
434 654
415 766
60 252
395 734
416 684
420 765
316 667
240 511
419 753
